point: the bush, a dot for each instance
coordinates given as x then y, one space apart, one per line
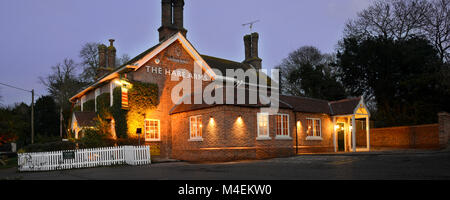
129 141
51 146
94 139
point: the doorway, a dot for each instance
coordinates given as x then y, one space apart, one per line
341 136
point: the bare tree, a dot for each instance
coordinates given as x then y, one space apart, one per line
397 19
89 61
63 83
437 27
401 19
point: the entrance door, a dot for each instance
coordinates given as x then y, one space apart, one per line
341 137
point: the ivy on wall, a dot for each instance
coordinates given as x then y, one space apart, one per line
119 115
103 106
89 106
142 98
76 108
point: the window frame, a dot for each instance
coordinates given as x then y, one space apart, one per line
197 138
283 137
159 130
259 135
314 135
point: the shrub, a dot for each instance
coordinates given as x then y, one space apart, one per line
129 141
51 146
94 139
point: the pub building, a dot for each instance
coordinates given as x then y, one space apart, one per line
219 131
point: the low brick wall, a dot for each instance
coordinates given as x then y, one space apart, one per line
444 129
231 154
422 136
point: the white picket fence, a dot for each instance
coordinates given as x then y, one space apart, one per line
84 158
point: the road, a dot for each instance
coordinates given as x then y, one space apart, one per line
428 165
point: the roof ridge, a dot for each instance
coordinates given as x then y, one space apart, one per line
223 59
345 100
310 98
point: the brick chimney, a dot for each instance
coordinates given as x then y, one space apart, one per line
102 59
111 55
251 50
172 12
102 55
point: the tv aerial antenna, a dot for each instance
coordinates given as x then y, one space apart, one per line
251 24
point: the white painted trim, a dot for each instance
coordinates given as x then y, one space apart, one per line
353 134
266 136
368 133
314 127
312 138
361 101
187 46
83 100
195 139
288 128
282 137
263 138
96 94
159 130
334 135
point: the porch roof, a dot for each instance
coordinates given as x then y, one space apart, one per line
345 106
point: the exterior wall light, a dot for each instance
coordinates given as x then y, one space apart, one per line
350 128
239 119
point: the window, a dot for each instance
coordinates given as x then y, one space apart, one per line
152 130
196 127
263 125
282 122
314 128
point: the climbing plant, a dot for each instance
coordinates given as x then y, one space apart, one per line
89 106
142 98
119 115
103 106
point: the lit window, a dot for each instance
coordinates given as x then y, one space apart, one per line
152 130
282 122
263 125
196 127
314 127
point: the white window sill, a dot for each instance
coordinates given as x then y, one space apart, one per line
158 140
283 138
314 138
263 138
196 140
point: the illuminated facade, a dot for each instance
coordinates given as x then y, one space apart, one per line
219 132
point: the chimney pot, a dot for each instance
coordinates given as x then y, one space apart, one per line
172 19
251 50
111 54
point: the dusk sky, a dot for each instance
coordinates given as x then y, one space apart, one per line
37 34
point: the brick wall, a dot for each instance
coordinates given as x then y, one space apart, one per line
444 129
226 138
423 136
306 145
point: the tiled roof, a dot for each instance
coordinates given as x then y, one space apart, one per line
223 64
308 105
297 104
192 106
85 119
345 106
